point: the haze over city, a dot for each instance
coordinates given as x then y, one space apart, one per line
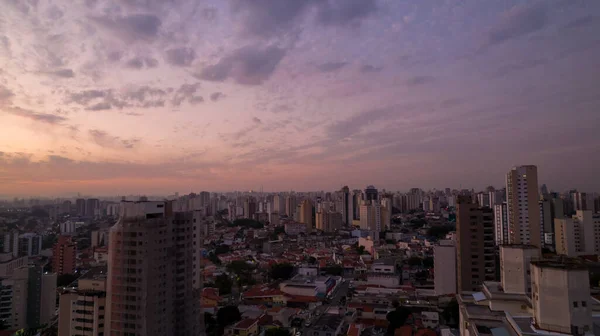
119 97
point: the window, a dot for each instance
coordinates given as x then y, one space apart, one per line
574 304
583 303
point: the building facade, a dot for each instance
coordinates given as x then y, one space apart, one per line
522 197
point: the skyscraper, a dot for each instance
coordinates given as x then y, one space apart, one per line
523 209
347 206
475 246
64 256
328 221
290 205
371 194
306 214
154 282
92 207
370 218
501 223
80 206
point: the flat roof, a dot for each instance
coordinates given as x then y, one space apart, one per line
556 264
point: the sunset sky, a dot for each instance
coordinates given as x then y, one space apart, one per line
112 97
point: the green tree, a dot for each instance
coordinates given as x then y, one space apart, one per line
336 270
451 313
277 332
65 279
214 259
428 262
224 284
228 315
414 261
439 231
397 317
282 271
222 249
312 260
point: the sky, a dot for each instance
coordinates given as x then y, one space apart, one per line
113 97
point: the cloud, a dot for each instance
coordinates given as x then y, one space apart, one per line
6 95
518 21
140 62
343 12
268 18
370 68
216 96
419 80
282 108
64 73
331 66
187 92
103 139
182 57
582 22
132 27
355 123
251 65
46 118
99 107
518 67
256 120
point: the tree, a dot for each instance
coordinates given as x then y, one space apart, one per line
222 249
414 261
439 231
451 313
48 241
312 260
360 249
422 275
277 332
210 323
397 317
214 259
224 284
390 241
282 271
228 315
65 279
248 223
336 270
428 262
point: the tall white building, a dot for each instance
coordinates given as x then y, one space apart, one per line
444 260
501 224
523 211
578 235
370 218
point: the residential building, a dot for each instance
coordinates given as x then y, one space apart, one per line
444 267
92 207
522 198
326 325
154 278
515 270
290 205
82 310
307 285
307 214
99 238
476 261
546 220
80 207
581 202
371 194
328 221
347 206
294 228
28 244
370 218
561 297
249 207
578 235
501 223
64 255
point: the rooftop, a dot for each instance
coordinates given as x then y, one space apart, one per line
327 322
566 264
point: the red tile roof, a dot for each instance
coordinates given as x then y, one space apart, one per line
245 324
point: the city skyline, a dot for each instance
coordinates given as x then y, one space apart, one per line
154 97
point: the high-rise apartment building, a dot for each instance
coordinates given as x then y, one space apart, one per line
279 204
444 259
347 206
371 194
475 245
581 201
307 214
64 256
370 218
249 207
515 267
290 205
80 207
501 223
82 311
522 198
154 275
578 235
28 244
328 221
561 297
92 207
